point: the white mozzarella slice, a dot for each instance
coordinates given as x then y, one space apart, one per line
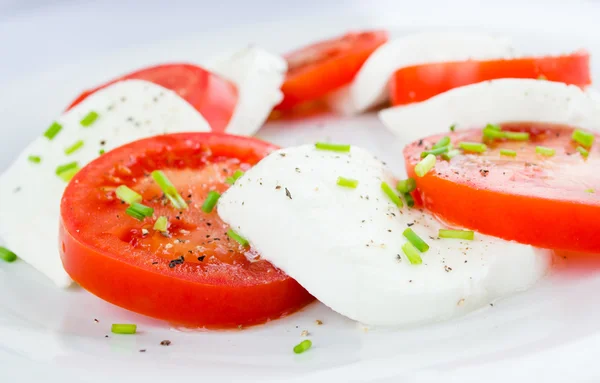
30 194
344 245
496 101
370 86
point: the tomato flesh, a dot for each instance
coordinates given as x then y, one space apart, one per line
421 82
318 69
218 282
212 96
549 202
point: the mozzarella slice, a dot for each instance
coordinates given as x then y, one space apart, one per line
496 101
369 87
30 193
344 245
258 76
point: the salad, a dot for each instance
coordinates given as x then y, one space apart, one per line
157 197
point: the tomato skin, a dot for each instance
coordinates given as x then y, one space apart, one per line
321 68
509 201
224 296
212 96
421 82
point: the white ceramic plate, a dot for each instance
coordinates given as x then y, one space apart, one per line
550 333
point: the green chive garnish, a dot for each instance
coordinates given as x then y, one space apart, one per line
435 152
583 138
167 187
347 182
508 153
123 328
73 148
127 195
7 255
238 238
415 240
590 191
453 127
332 147
457 234
101 152
517 136
410 201
210 201
493 127
412 253
139 211
302 346
53 130
35 159
406 186
450 155
474 147
67 171
425 165
237 174
493 131
444 141
390 193
544 151
89 119
161 224
584 153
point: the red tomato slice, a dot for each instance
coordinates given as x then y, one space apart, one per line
218 282
318 69
214 97
550 202
421 82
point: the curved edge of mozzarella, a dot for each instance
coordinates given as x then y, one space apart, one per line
496 101
30 194
344 245
369 87
258 75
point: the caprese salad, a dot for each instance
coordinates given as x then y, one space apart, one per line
155 202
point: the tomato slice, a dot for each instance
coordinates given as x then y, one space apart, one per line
214 97
421 82
549 202
321 68
194 274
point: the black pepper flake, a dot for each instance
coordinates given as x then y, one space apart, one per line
282 154
106 336
297 170
143 350
288 194
208 224
201 258
447 268
410 224
277 187
176 261
103 142
491 304
165 343
129 119
420 143
155 263
484 172
96 320
17 189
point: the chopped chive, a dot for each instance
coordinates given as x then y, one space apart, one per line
67 171
7 255
410 201
210 201
435 152
392 196
127 195
493 127
101 152
406 186
238 238
452 127
347 182
493 134
53 130
139 211
302 346
73 148
508 153
170 191
474 147
544 151
457 234
123 328
35 159
584 153
517 136
415 240
89 119
65 167
444 141
332 147
583 138
412 253
590 191
161 224
237 174
425 165
450 155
